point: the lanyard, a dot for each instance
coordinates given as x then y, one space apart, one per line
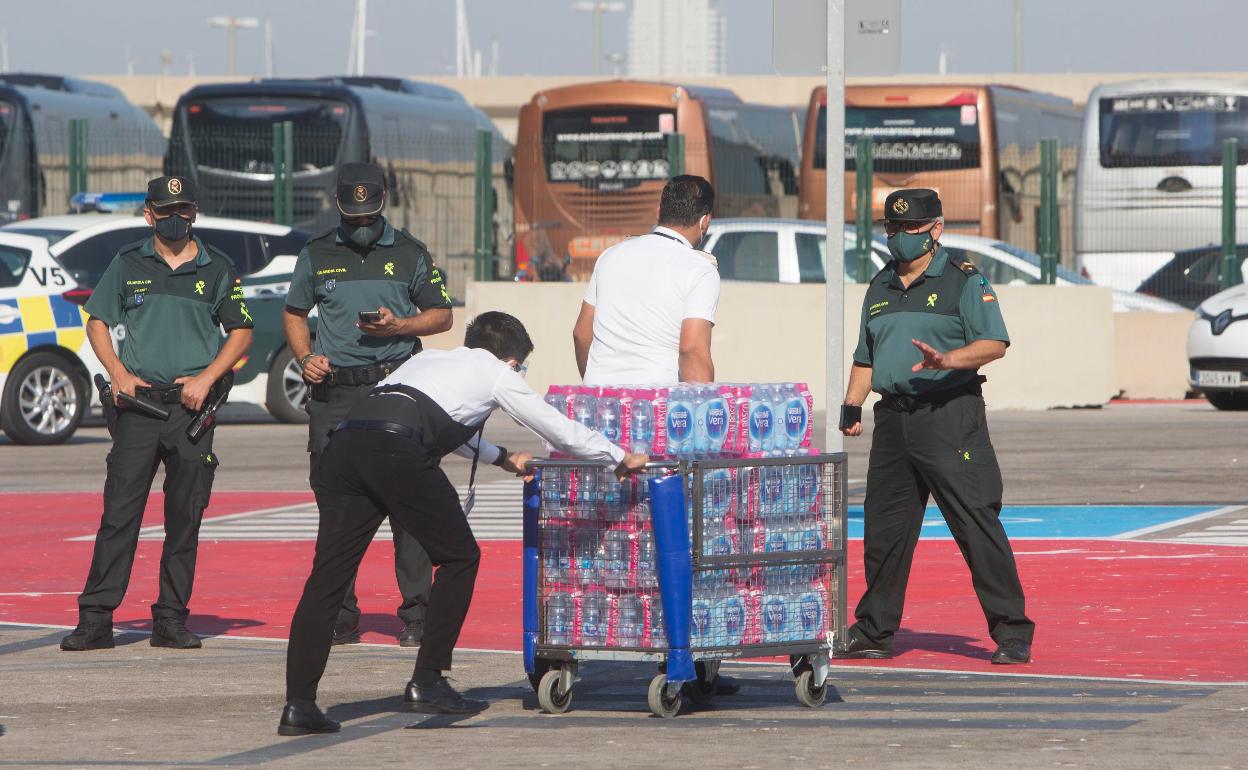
669 237
471 500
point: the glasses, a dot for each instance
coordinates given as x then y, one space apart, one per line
892 228
520 369
185 210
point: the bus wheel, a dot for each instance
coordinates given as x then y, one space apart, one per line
44 400
286 394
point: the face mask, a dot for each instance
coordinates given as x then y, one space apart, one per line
173 228
363 235
907 247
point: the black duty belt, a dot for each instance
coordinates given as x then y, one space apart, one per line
161 394
381 425
367 374
904 403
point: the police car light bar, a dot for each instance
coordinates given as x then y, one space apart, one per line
109 202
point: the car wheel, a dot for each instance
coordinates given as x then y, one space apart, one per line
1228 401
287 393
44 400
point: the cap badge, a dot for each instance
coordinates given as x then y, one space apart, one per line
901 206
175 186
361 193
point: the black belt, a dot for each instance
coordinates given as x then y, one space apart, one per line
381 425
163 394
904 403
367 374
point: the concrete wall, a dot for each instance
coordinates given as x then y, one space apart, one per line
776 332
1151 354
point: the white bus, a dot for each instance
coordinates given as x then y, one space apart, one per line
1150 173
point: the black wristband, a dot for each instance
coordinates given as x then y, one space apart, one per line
502 457
849 416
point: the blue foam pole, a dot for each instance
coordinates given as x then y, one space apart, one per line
532 539
674 554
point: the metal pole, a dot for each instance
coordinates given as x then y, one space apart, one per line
834 302
1230 153
231 45
1018 35
77 155
482 230
288 171
675 154
1048 212
864 178
598 9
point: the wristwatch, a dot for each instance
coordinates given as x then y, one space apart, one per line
303 362
502 457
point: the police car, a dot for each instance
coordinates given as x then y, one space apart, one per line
50 265
1217 349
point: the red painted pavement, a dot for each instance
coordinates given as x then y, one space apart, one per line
1103 608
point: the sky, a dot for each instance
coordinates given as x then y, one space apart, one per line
547 37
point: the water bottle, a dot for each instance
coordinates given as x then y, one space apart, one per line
630 621
680 422
717 493
762 419
595 606
729 621
808 483
810 616
658 634
584 405
642 434
646 575
698 400
587 542
557 397
796 416
700 623
775 618
806 536
716 422
617 552
559 618
556 555
607 418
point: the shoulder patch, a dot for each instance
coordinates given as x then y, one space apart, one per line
966 267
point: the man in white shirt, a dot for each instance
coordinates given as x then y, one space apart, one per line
384 458
650 306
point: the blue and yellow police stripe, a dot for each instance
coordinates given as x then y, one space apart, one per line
41 320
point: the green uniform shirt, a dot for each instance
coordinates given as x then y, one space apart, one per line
949 306
171 317
397 273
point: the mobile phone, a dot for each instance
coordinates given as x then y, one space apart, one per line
370 316
849 416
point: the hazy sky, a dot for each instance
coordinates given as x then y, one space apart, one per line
546 37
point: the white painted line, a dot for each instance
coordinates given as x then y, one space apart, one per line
1179 522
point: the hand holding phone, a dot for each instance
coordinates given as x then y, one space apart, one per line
370 316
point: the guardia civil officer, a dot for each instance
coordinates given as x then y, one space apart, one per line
364 265
173 294
383 459
929 322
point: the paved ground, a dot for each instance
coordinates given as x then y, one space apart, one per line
139 706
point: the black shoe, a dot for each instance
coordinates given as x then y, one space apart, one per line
89 636
441 698
173 633
412 634
1012 651
860 647
300 719
345 633
726 685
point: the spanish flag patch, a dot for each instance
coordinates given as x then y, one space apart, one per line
989 298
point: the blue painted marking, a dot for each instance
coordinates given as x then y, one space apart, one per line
9 322
65 313
35 339
1057 521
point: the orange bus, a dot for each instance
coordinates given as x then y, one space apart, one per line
977 145
591 160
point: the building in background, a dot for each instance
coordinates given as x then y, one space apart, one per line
677 38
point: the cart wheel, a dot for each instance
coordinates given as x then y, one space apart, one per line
807 694
540 667
660 704
550 696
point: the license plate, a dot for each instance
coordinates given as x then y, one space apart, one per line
1218 379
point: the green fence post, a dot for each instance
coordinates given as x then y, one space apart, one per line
483 207
77 156
283 182
675 154
1049 230
279 157
864 182
1230 267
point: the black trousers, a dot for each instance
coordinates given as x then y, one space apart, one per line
140 445
365 474
411 563
941 450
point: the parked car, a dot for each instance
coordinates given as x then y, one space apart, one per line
1191 276
793 251
52 265
1217 349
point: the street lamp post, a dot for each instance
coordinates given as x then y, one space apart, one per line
231 25
598 7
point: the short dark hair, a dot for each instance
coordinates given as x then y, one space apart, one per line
685 200
500 333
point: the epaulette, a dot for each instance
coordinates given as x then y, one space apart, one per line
966 267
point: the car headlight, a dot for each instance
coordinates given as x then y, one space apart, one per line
1219 322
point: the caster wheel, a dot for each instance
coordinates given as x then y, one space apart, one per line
807 694
660 704
550 696
540 667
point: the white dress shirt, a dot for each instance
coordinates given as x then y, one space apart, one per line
470 383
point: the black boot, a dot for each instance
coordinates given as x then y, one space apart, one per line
170 632
305 718
345 633
89 636
412 634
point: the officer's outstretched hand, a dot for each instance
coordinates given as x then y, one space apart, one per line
390 325
932 358
194 390
518 463
632 463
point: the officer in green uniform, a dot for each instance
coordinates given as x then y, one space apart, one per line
364 265
173 294
929 321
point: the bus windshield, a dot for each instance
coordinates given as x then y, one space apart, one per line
1171 129
236 134
908 139
606 148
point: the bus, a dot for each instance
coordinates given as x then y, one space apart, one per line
976 145
124 147
422 135
1150 173
592 158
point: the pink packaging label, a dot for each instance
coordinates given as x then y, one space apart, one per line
753 616
742 394
804 390
659 445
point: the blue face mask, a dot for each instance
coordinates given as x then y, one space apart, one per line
907 247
